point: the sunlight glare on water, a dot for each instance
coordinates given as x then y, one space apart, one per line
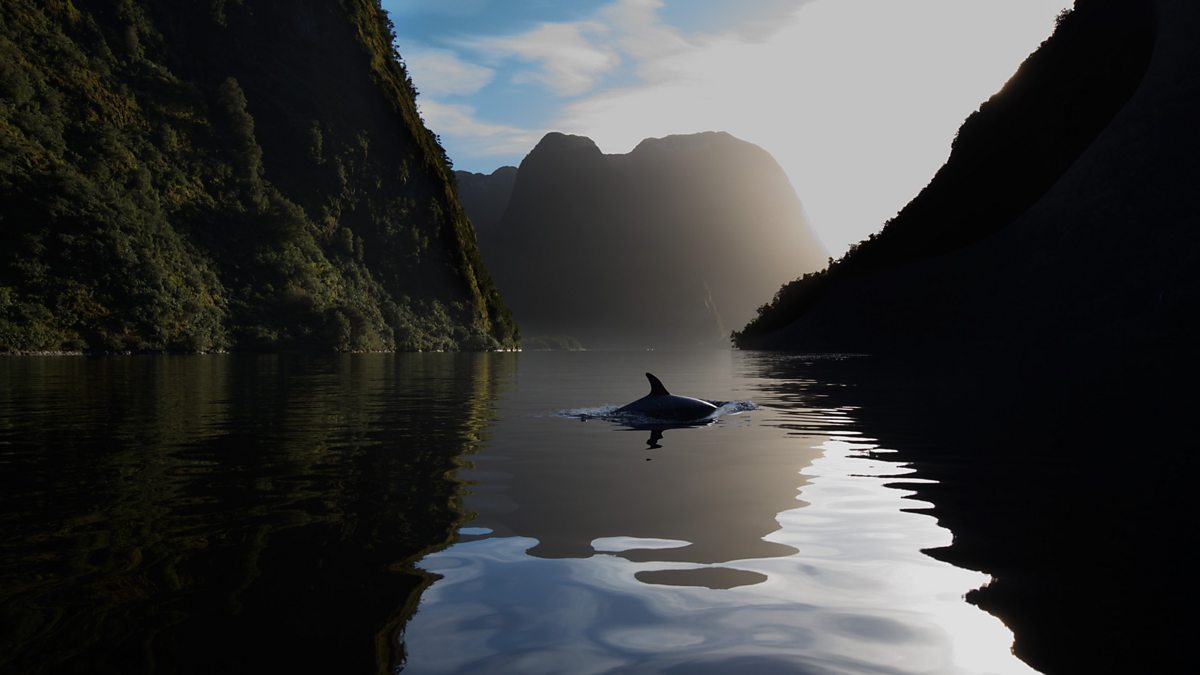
263 513
779 539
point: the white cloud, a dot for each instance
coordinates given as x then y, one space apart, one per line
569 58
440 72
484 138
637 30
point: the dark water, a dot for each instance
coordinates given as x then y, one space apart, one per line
225 513
237 513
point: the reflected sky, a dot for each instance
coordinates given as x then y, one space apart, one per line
777 539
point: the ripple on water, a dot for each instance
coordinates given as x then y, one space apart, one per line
681 580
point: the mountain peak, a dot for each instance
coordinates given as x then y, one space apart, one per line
660 246
701 139
559 142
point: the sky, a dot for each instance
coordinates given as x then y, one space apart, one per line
858 100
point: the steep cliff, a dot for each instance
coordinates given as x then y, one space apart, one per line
1035 314
668 245
1062 220
246 174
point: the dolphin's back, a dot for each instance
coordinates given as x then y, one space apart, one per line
662 404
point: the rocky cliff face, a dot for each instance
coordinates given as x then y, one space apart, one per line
225 175
668 245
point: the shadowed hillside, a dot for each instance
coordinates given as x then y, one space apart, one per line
1058 217
1034 311
485 196
669 245
225 175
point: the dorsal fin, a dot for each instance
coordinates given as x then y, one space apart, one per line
656 386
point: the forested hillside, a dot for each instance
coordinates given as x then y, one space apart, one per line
225 174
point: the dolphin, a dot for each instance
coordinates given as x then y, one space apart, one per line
661 404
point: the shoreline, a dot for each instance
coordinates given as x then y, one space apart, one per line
52 353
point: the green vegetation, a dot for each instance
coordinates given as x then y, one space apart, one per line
221 175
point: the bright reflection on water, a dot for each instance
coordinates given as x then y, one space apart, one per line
777 541
261 514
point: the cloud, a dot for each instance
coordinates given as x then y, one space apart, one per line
440 72
638 30
568 58
485 139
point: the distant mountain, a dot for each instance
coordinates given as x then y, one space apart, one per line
225 175
668 245
1065 217
485 196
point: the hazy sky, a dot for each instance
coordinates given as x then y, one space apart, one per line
858 100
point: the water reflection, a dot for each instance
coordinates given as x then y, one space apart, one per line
261 513
216 514
781 540
658 431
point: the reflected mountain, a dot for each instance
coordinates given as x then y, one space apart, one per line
720 498
156 507
1074 497
586 558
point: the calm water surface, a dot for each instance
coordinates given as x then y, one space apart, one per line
248 513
